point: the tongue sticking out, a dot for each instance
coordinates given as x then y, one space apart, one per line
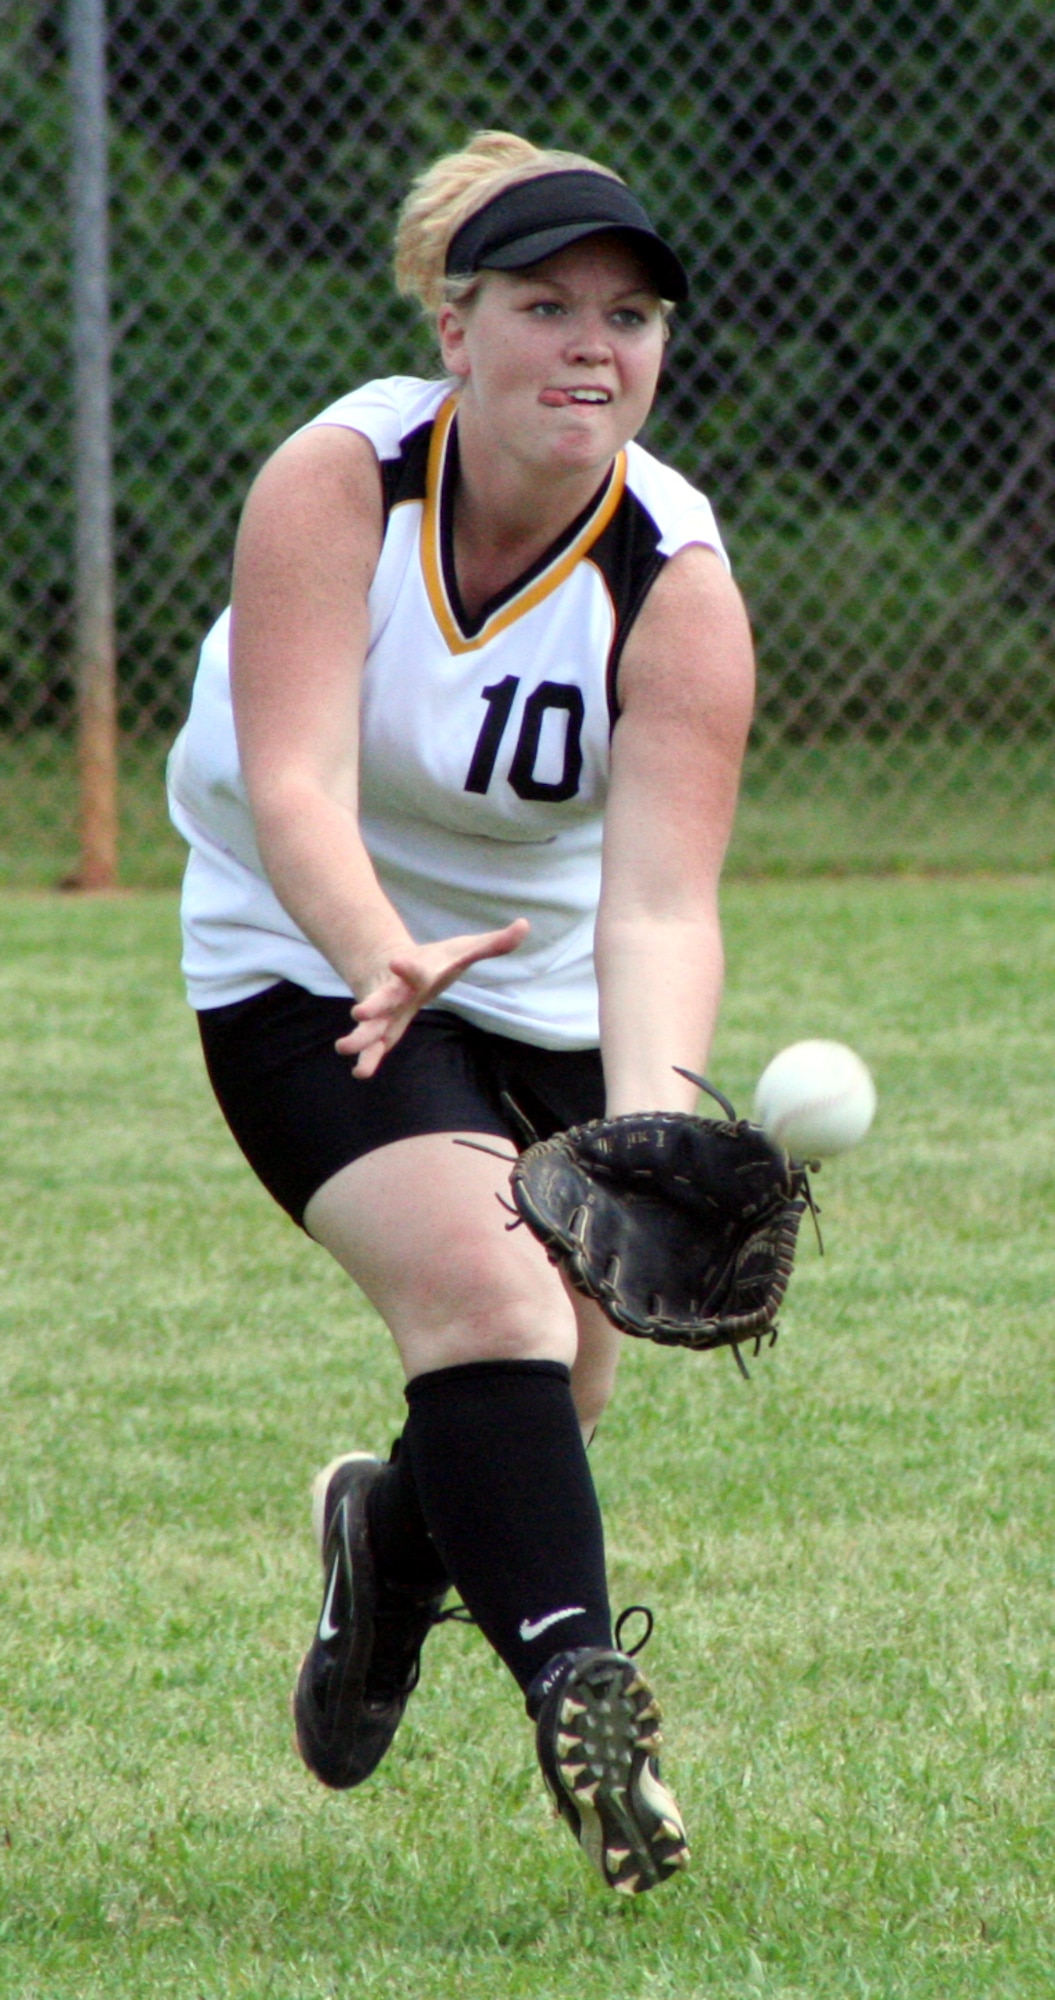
557 398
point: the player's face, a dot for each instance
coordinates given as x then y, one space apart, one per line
559 363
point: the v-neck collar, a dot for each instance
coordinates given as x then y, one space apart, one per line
462 633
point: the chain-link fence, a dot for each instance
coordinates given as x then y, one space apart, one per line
864 382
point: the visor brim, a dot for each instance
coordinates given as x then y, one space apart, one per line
666 270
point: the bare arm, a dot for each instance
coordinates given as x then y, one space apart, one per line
307 550
686 689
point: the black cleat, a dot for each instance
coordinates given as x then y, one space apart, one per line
597 1734
362 1666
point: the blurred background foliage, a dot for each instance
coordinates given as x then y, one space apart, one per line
864 192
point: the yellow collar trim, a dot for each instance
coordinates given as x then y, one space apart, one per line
540 586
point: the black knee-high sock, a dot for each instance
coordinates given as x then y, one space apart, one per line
500 1467
403 1548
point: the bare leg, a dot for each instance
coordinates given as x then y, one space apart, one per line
596 1362
420 1227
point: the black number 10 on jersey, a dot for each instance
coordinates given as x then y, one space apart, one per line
548 695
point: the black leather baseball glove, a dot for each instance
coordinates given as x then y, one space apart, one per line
682 1228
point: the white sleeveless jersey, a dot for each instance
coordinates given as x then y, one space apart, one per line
485 741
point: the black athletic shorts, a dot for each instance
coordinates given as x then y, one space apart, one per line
299 1114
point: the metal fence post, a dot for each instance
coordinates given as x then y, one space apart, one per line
94 553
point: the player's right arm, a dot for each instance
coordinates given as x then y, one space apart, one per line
307 550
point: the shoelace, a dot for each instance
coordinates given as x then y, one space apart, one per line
633 1611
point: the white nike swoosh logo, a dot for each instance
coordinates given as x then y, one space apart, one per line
534 1631
327 1628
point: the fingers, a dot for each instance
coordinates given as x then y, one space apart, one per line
435 965
370 1042
418 975
369 1061
494 944
386 999
377 1025
413 979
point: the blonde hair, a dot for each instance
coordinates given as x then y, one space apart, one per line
452 189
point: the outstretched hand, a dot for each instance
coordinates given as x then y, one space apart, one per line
413 979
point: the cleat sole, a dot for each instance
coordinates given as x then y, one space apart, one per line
601 1770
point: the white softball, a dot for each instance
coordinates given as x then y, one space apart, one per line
815 1099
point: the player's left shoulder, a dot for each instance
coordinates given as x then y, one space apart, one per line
687 674
693 612
682 515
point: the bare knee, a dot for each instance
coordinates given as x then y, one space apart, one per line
494 1329
451 1283
474 1303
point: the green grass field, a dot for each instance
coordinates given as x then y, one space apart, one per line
851 1558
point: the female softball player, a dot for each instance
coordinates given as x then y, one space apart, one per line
457 780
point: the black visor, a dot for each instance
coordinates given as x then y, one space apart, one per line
536 218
